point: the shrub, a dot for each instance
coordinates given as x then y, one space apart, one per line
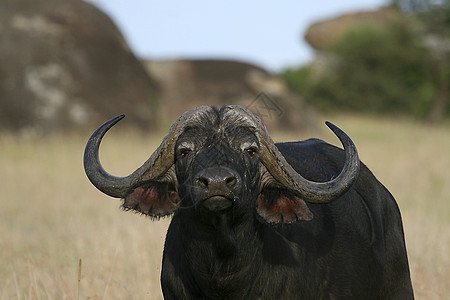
374 69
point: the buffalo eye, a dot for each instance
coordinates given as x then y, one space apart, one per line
184 152
184 149
251 149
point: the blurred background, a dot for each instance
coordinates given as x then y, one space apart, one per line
380 69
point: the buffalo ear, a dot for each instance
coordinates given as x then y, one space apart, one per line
277 206
155 199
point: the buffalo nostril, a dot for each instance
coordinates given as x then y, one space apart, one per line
230 181
202 182
216 180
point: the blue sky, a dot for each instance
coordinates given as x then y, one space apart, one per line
267 33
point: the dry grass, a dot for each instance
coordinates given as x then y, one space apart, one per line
413 162
51 216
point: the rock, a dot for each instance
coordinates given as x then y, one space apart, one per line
323 34
64 64
189 83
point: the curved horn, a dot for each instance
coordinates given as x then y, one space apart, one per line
159 162
282 171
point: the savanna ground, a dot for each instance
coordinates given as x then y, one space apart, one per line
51 216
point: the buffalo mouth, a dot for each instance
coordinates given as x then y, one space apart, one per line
217 203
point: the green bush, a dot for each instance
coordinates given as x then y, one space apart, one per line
374 69
298 79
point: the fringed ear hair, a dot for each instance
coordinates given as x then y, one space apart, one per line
277 205
155 199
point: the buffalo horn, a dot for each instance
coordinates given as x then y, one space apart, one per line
282 171
159 162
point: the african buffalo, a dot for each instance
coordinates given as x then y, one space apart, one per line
258 220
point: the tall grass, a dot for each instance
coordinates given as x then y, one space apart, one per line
51 216
413 161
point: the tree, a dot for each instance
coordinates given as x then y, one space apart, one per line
435 19
401 66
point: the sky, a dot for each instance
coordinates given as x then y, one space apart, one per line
267 33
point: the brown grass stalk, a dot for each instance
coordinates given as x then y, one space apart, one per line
50 214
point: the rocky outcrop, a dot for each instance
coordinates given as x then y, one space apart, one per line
64 64
188 83
323 34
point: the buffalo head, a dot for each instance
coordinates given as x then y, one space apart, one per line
218 161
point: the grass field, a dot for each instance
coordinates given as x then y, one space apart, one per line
51 216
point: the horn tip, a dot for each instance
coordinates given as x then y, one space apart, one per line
335 129
115 120
120 117
329 124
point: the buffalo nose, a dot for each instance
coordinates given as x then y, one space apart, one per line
217 179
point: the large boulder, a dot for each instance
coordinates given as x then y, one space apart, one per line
188 83
323 34
64 64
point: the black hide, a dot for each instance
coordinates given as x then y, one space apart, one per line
262 241
352 249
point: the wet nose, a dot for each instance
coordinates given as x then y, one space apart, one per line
217 180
